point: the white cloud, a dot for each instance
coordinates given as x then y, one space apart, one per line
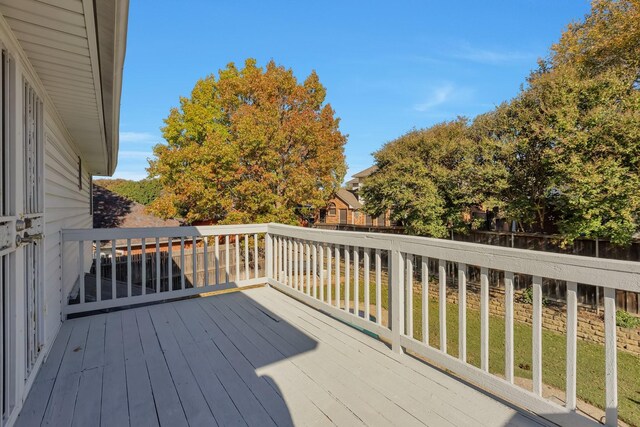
137 137
438 96
490 56
446 94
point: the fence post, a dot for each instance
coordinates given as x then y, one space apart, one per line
396 280
268 256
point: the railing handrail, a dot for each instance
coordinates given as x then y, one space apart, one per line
607 273
80 234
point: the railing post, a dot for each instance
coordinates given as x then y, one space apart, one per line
396 279
268 255
611 358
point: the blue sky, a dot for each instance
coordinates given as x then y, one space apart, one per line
388 66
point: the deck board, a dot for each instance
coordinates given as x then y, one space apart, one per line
252 358
114 405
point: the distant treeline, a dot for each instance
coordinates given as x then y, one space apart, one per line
144 191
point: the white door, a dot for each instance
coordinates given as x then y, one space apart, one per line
21 228
30 239
8 247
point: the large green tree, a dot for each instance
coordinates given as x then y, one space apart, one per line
563 155
574 130
431 178
253 145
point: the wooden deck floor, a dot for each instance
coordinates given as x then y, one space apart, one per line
254 358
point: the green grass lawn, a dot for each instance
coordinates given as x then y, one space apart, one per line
591 357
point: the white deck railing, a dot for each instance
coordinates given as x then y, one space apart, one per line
328 269
219 257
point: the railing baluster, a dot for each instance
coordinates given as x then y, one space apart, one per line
572 337
308 252
290 263
227 259
280 254
282 260
129 272
408 303
425 300
356 281
321 265
205 253
216 254
143 258
81 270
170 263
182 279
462 312
367 279
611 358
194 259
484 319
246 257
329 273
508 324
114 285
337 279
347 279
378 287
537 335
98 255
158 266
300 266
256 261
237 251
397 285
296 281
314 272
442 301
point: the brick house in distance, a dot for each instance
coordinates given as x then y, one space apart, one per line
346 206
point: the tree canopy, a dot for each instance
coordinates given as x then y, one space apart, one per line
566 150
252 145
428 177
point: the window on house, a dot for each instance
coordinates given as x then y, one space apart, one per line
332 209
343 216
323 215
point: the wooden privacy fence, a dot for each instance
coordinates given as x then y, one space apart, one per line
181 264
382 283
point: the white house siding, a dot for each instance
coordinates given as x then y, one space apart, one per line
66 206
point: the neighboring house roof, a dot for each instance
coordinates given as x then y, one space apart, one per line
77 50
349 198
365 173
112 210
349 184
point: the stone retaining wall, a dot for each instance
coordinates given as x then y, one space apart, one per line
590 324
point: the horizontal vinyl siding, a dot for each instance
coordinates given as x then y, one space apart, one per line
66 206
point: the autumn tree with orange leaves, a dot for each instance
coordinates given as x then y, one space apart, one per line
252 145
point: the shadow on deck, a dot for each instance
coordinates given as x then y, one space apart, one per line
255 358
